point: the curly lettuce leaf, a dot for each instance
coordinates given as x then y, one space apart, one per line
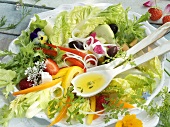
24 39
130 29
38 23
24 59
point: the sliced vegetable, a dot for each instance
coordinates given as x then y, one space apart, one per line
93 108
97 115
73 71
125 104
39 87
79 53
74 62
61 114
51 66
60 73
49 52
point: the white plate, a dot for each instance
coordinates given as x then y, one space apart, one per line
49 16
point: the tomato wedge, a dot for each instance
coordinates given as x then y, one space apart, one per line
51 66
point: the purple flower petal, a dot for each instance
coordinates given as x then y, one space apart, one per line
98 49
149 3
167 9
33 35
37 30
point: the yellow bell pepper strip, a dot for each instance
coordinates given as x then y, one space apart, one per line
93 108
72 71
62 113
60 73
39 87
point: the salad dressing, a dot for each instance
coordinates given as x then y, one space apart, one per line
90 83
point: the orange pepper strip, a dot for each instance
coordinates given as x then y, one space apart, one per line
61 114
125 104
97 115
93 108
39 87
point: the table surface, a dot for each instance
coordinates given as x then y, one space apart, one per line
8 9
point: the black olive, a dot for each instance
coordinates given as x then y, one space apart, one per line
112 51
114 28
76 44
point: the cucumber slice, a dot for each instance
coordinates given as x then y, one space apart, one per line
104 31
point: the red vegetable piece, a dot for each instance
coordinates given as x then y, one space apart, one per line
100 100
49 52
24 84
51 66
74 62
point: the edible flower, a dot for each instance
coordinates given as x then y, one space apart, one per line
34 73
145 95
129 121
149 3
167 9
38 36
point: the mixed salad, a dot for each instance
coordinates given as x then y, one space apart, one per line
49 56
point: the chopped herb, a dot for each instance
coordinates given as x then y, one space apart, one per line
90 87
90 83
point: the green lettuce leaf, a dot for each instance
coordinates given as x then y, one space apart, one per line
89 26
38 23
61 30
141 82
66 22
119 85
113 14
26 105
6 83
80 14
24 38
153 68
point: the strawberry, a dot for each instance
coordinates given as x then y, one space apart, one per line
24 84
51 66
100 100
166 19
156 13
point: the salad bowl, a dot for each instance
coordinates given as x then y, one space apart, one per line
50 16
